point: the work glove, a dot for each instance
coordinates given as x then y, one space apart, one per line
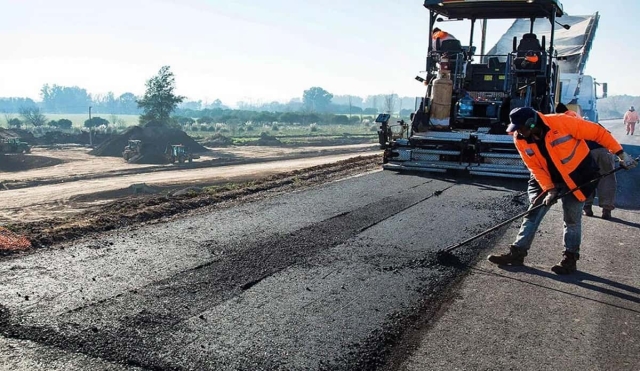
626 161
551 198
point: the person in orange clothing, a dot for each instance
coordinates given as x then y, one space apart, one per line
439 34
605 187
630 119
554 150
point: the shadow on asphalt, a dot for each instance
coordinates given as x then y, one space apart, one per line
579 278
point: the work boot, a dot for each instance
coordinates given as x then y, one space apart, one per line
568 263
588 211
606 214
515 257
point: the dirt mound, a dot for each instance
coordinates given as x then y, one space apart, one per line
265 140
154 142
24 135
59 137
18 162
217 140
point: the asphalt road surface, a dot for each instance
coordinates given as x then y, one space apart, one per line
328 278
324 279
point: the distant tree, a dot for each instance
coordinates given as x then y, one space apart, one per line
128 104
64 124
95 121
182 120
33 116
159 100
341 119
389 103
205 120
64 99
61 124
316 99
265 118
290 117
14 123
13 105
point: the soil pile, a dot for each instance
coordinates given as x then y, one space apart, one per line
24 135
217 140
59 137
154 143
19 162
266 140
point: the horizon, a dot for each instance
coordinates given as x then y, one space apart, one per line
253 53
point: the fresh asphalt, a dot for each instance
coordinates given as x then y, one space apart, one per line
528 318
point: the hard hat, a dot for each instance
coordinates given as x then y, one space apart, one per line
520 117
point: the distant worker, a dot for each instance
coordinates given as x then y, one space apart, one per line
630 119
606 187
438 34
554 150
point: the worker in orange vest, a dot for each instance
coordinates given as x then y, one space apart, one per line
439 34
605 187
554 150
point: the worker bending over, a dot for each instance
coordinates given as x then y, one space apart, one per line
554 150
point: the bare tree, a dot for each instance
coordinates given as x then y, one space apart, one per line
33 116
389 103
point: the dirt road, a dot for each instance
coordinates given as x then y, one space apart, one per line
96 175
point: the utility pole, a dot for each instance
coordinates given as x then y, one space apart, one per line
90 129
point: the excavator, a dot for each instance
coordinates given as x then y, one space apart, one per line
460 124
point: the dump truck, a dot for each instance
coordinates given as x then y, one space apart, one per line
460 123
132 150
14 145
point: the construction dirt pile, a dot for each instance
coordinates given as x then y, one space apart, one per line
20 162
217 140
154 143
24 135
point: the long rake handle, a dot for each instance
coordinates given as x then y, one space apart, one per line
453 247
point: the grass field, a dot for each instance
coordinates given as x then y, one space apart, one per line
285 132
78 119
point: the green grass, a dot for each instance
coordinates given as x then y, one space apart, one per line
78 119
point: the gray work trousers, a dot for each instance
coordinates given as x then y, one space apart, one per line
606 190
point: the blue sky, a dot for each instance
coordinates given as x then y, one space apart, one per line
257 51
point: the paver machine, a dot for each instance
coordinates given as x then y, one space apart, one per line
460 124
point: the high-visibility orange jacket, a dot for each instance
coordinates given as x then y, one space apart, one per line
442 35
565 142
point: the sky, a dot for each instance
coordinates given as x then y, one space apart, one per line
258 51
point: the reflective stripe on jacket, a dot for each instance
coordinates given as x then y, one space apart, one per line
565 141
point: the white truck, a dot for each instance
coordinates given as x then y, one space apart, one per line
580 93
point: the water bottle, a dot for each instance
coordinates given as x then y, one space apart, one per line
465 106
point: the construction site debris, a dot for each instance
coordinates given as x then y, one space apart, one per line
11 242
